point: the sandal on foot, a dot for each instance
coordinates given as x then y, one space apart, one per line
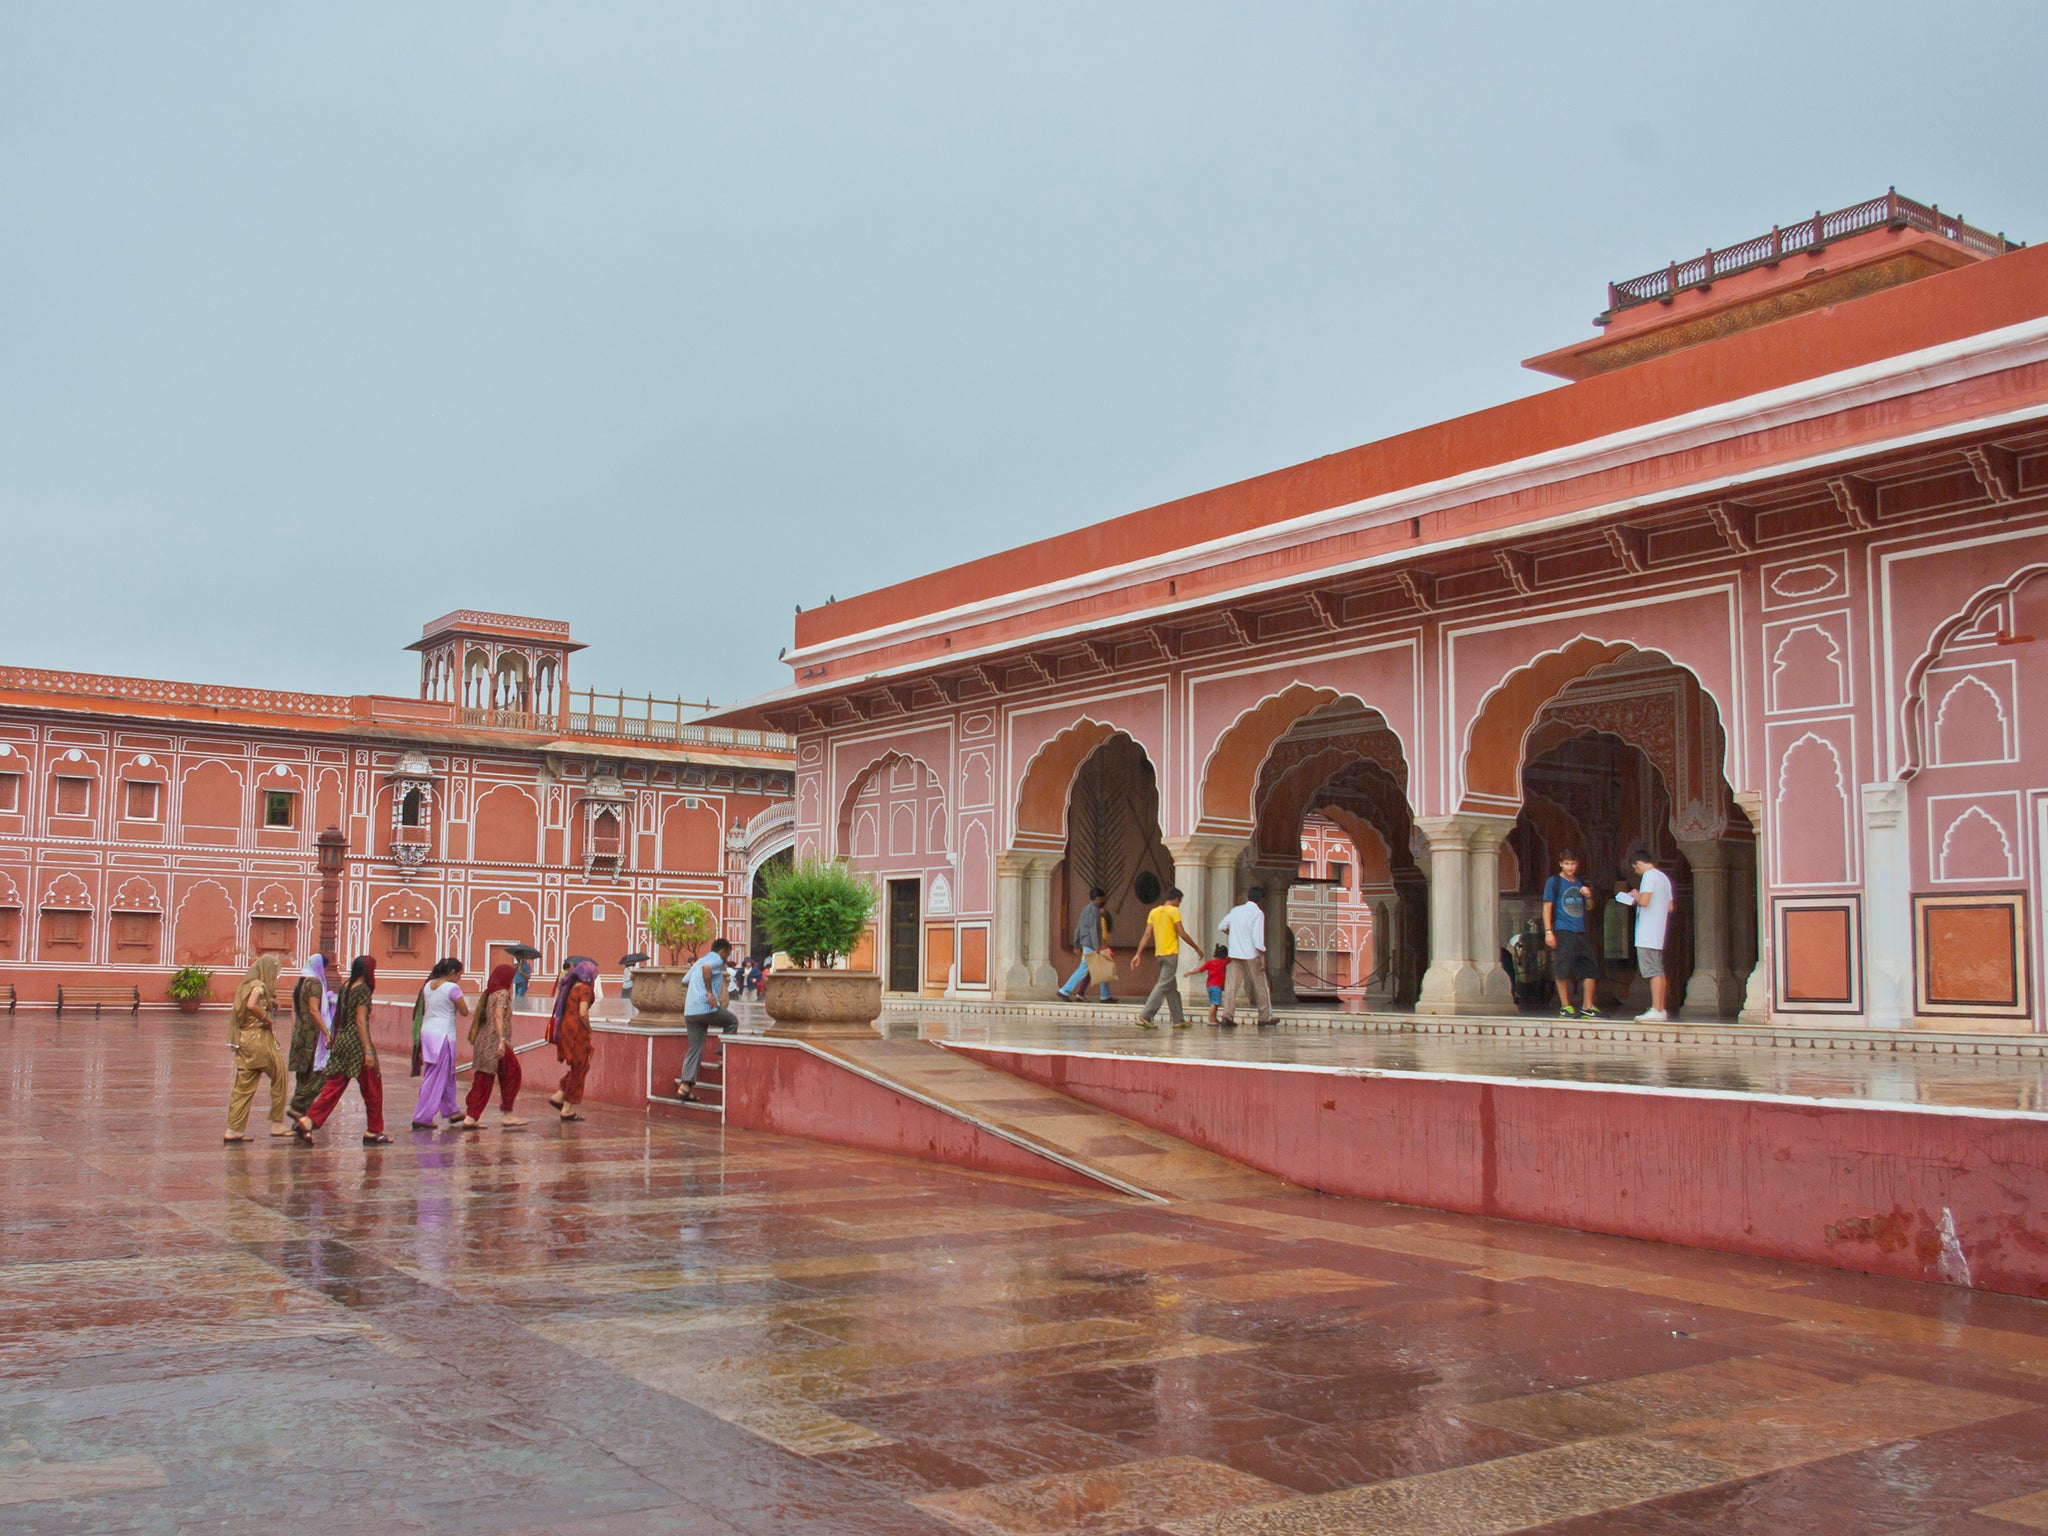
378 1139
569 1115
465 1125
229 1141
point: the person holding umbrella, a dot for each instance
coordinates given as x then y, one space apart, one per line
523 956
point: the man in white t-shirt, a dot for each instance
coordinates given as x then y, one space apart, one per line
1652 900
1243 930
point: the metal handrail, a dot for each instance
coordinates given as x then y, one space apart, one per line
1888 212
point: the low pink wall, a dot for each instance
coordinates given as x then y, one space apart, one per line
618 1062
1861 1189
787 1089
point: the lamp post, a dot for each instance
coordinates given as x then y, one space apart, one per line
333 848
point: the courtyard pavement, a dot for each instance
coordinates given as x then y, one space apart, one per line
648 1325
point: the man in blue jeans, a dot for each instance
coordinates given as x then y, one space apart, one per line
704 1007
1088 932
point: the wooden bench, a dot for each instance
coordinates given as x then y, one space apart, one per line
129 998
7 995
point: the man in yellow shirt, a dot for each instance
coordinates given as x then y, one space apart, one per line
1165 934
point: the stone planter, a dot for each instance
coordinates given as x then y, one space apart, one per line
659 993
189 1004
813 1002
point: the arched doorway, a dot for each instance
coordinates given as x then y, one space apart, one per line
757 935
1076 822
1113 844
1620 749
1338 761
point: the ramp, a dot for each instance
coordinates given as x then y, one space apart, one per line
921 1100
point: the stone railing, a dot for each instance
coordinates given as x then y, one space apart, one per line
1888 212
145 690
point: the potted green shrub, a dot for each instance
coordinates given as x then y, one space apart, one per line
673 926
815 913
188 987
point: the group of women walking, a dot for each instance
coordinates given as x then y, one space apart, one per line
332 1046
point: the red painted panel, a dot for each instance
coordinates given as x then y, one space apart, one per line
1861 1189
788 1089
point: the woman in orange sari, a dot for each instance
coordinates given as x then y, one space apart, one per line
569 1029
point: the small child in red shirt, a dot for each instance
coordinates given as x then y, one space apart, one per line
1215 969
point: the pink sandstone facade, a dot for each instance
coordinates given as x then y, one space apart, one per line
145 825
1763 589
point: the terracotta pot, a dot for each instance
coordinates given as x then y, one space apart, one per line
659 992
809 1001
189 1004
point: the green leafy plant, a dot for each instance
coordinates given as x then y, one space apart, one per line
677 925
188 982
815 911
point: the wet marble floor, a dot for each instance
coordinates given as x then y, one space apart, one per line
640 1325
2012 1082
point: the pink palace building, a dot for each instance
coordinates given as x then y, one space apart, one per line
146 825
1763 588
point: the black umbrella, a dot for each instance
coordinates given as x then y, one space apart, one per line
635 958
522 951
577 960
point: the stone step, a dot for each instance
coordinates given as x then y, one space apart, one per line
1117 1152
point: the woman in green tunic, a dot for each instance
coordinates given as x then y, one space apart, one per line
352 1056
312 1028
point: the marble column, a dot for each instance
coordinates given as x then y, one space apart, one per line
1756 997
1451 984
1022 963
1887 908
1276 883
1203 867
1038 925
1482 934
1712 991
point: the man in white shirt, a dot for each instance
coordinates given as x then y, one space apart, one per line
703 1007
1652 900
1244 932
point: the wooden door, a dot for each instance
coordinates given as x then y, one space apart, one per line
904 930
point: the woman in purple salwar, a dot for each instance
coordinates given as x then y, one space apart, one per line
442 1004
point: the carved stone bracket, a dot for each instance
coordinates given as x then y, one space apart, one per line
1997 470
1857 499
1519 568
1632 547
1737 524
1420 587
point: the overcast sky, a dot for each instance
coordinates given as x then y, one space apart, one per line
316 322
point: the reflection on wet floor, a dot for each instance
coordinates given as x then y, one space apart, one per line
645 1325
1975 1081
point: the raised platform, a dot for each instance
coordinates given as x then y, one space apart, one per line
1921 1165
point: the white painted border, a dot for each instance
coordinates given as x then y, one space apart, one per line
1559 1085
1937 831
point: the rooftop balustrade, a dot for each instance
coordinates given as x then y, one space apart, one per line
1888 212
